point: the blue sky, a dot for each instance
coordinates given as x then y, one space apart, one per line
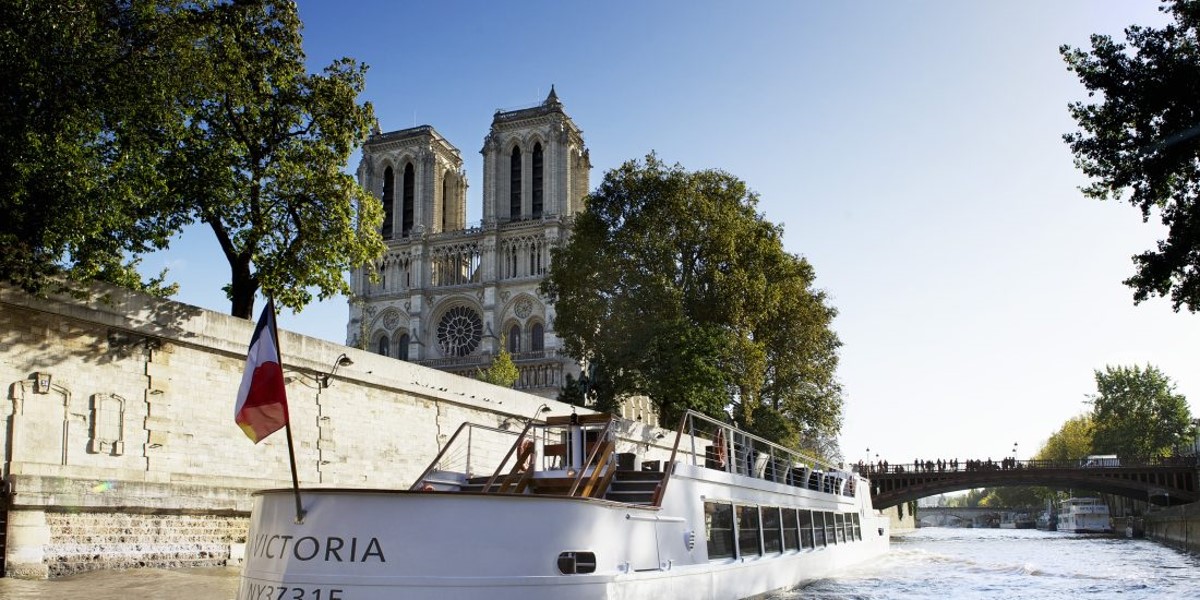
912 151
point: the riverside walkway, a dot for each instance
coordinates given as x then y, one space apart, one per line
1164 482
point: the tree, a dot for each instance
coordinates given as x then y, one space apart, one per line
123 122
593 389
1137 413
502 372
1016 496
88 108
674 287
262 159
1143 137
1072 441
971 499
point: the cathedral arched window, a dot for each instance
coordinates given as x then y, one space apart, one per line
537 180
514 185
384 346
537 335
514 339
389 199
410 176
402 351
445 203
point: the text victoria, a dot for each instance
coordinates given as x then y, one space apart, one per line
327 549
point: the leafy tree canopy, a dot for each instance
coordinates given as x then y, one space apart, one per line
674 287
261 162
88 109
1141 137
1137 414
122 122
503 371
1016 496
1072 441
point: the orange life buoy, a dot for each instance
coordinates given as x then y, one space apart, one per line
526 450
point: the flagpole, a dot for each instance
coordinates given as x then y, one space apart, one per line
287 424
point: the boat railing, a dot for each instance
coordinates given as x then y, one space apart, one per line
598 458
470 451
522 451
704 441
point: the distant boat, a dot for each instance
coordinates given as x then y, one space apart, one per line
1084 515
1023 521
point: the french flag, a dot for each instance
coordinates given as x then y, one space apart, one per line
262 400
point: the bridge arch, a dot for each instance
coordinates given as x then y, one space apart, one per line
1162 484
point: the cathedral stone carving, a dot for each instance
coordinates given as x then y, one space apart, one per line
524 307
391 319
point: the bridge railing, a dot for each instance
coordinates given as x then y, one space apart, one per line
955 465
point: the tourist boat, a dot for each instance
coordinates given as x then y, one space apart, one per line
1084 515
576 507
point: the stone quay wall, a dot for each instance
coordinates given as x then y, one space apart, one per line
120 447
1178 527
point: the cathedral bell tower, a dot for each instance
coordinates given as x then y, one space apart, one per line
535 165
449 296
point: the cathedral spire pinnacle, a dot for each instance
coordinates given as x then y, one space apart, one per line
552 99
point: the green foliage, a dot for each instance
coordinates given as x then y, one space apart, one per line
1072 441
676 288
502 372
1137 414
1141 136
1015 497
123 122
592 389
971 499
88 106
261 162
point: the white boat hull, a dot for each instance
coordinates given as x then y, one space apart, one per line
377 545
699 528
1084 515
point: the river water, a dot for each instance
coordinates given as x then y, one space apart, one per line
965 564
935 563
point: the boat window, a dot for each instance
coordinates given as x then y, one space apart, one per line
806 528
718 524
791 538
830 525
857 526
572 563
839 527
818 529
772 535
749 538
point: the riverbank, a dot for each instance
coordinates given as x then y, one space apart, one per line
1177 527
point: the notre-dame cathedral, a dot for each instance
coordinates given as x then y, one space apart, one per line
449 294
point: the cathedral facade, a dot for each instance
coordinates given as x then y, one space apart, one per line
448 295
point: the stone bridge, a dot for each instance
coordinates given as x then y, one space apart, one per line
941 515
1164 482
966 513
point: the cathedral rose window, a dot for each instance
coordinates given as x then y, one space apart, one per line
459 331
